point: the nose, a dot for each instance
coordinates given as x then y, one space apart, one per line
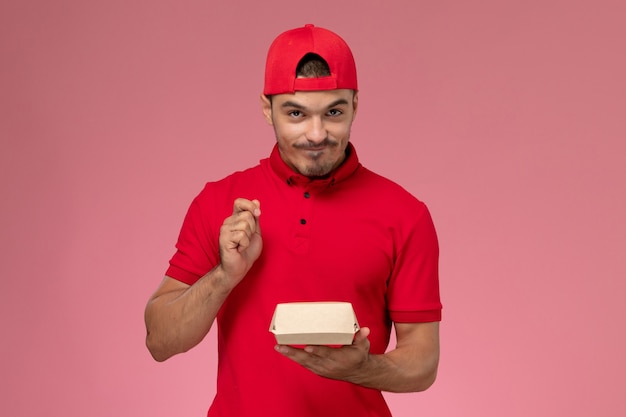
317 131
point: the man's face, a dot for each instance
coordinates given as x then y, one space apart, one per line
312 128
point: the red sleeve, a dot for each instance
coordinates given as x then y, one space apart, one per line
413 293
197 244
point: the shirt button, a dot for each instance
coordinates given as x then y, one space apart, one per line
302 221
306 194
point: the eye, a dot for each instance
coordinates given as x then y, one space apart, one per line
335 112
295 113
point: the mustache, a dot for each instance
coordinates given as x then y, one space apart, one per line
313 145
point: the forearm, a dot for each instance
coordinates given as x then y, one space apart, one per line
178 317
410 367
400 370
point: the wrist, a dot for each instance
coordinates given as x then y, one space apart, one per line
222 280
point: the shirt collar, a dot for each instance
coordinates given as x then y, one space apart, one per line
343 171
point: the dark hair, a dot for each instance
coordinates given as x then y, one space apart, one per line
312 66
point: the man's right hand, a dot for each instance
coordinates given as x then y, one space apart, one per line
240 240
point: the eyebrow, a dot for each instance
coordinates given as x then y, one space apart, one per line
299 106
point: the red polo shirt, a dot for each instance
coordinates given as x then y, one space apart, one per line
354 236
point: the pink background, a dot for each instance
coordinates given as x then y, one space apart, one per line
506 117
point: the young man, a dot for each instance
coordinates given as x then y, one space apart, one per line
309 223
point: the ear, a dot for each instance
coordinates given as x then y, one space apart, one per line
266 106
355 103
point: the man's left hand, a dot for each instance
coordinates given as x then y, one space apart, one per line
344 363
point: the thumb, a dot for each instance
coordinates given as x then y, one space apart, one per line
361 335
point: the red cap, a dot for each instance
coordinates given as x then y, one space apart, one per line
291 46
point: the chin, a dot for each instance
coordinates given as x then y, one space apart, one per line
316 171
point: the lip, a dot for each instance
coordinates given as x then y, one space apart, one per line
312 148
